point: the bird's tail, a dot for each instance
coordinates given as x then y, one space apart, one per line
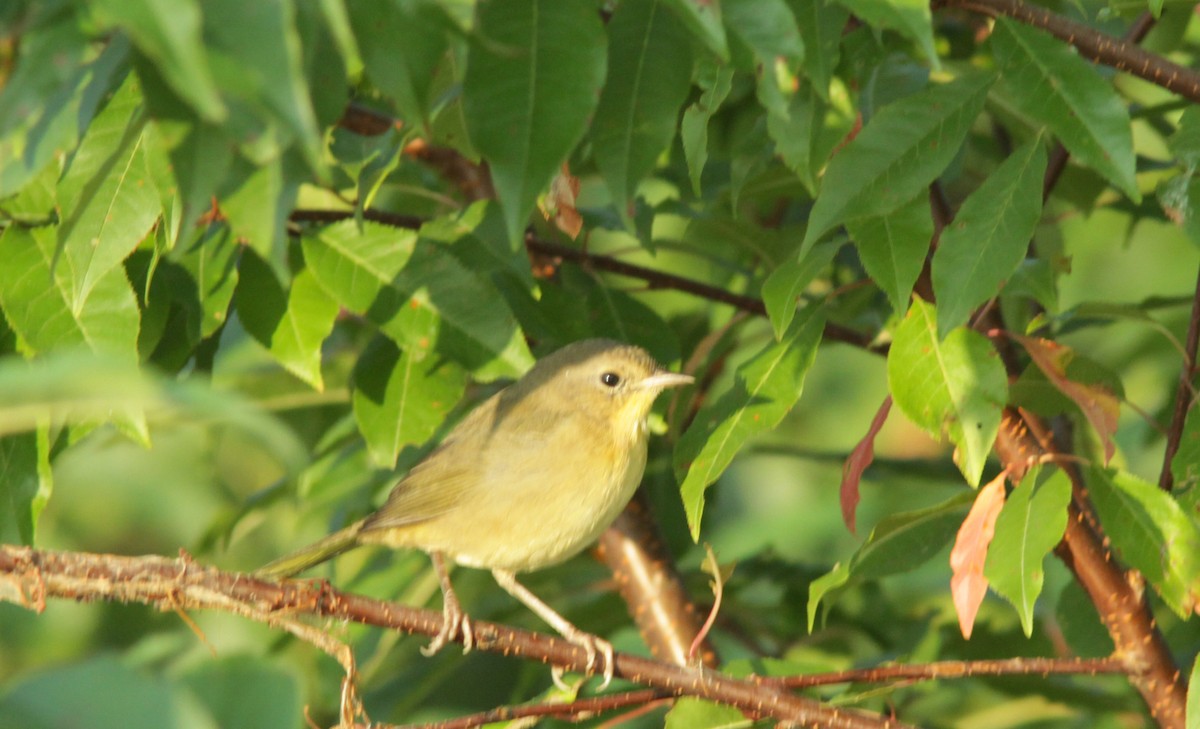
314 554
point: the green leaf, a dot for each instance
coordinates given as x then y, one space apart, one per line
200 154
254 52
104 690
956 385
1185 466
210 262
716 80
168 32
26 481
256 208
821 25
689 713
419 295
107 195
1050 83
989 237
485 339
79 387
1152 533
357 263
220 684
400 398
897 154
785 284
703 21
910 17
1030 525
43 307
765 389
291 324
899 543
892 247
51 96
402 43
798 130
768 28
649 76
533 79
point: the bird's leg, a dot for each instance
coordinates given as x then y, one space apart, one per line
590 643
454 621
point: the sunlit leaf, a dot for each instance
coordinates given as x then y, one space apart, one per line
765 389
169 33
293 323
26 482
1030 525
51 309
1152 533
107 194
955 386
400 398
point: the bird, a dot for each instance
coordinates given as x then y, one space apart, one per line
526 480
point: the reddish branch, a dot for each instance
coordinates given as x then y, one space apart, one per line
29 577
941 670
1091 43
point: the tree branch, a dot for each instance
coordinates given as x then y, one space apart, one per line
28 577
1185 393
1091 43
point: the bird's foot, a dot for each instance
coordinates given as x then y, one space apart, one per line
592 645
455 623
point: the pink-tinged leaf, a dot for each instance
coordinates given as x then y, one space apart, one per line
968 585
1099 405
857 462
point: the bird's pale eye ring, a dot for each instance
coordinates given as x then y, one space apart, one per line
610 379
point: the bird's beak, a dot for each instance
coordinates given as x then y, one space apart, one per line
663 380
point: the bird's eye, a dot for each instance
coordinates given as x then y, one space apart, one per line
610 379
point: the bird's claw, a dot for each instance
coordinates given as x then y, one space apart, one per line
591 645
455 623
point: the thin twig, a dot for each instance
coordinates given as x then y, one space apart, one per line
1185 393
943 670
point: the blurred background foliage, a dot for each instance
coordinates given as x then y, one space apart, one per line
186 363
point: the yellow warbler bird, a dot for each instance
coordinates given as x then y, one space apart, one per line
528 479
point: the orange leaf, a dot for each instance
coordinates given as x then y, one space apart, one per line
1099 405
857 462
968 585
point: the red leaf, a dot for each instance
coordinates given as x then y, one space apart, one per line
968 585
857 462
1099 405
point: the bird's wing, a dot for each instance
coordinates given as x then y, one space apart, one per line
435 486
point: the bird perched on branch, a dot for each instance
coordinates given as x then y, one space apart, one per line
528 479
